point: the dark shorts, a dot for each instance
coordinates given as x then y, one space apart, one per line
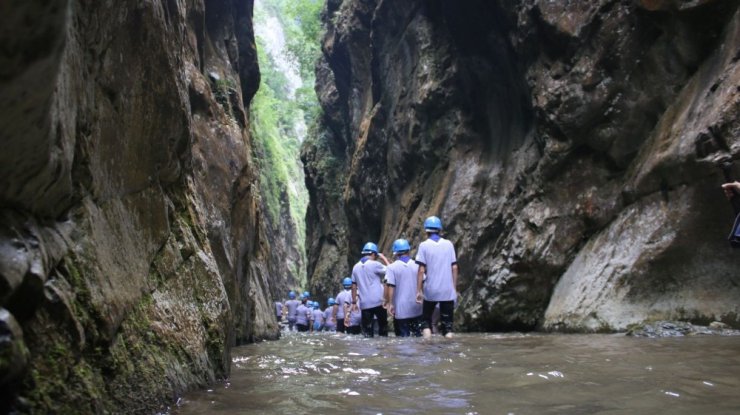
340 325
446 309
407 327
368 318
353 330
301 327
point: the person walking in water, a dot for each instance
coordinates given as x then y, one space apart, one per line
317 318
290 309
303 316
342 304
330 322
401 280
367 282
436 258
353 318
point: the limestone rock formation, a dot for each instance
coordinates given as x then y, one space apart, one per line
132 250
572 150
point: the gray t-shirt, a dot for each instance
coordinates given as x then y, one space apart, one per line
403 275
327 318
302 315
318 316
292 306
355 317
278 308
369 279
438 257
344 297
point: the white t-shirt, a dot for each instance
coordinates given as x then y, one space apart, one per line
438 257
355 317
403 276
292 306
318 316
327 317
369 279
302 315
344 297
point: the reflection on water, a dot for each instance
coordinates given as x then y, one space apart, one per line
478 374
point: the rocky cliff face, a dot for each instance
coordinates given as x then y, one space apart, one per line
132 250
570 148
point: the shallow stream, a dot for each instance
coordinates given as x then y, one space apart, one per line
478 374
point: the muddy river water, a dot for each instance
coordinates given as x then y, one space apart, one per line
478 374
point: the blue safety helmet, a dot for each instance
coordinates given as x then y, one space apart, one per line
347 282
401 245
433 224
331 301
291 295
370 248
306 294
316 304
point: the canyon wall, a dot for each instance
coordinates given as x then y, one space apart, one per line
132 249
571 149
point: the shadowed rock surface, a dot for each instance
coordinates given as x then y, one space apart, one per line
132 249
570 148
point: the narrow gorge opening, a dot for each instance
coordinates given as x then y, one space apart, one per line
283 112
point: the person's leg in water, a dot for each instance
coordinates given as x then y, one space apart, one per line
396 327
403 328
446 310
414 325
426 319
367 322
435 320
340 325
354 330
382 315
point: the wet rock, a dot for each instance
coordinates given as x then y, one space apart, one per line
132 250
13 352
570 148
677 329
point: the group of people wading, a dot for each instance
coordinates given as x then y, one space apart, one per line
409 290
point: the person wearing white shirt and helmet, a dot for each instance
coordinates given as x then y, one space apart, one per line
367 282
436 258
401 280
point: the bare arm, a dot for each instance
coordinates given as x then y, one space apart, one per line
354 297
419 282
334 312
390 290
454 276
384 259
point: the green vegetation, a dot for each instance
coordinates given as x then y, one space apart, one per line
283 108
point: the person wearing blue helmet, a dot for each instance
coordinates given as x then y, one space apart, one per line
401 279
367 282
342 304
317 318
436 258
290 309
330 323
303 316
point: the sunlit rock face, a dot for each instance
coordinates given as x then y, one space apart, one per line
571 149
132 252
